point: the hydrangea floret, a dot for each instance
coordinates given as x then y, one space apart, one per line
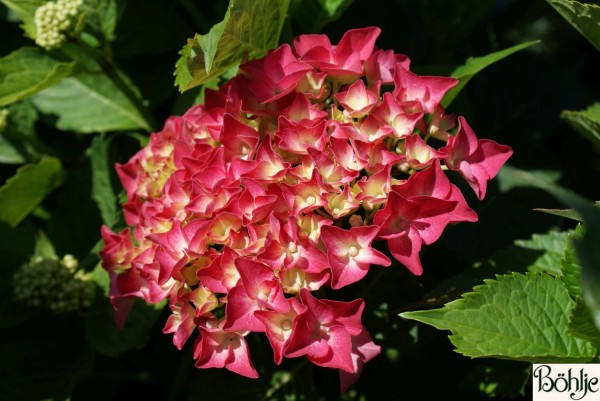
54 21
285 181
55 284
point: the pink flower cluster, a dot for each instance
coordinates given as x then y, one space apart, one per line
279 184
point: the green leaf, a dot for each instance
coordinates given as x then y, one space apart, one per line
103 335
473 65
583 16
582 324
509 177
102 16
25 10
29 70
520 317
11 152
43 246
102 189
586 122
567 213
89 104
14 256
313 15
587 247
552 244
101 278
588 253
27 188
250 28
570 267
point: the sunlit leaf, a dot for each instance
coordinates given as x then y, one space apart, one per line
250 28
89 104
570 267
29 70
473 65
582 324
568 213
586 122
552 246
102 190
584 17
521 317
11 152
27 188
25 9
586 247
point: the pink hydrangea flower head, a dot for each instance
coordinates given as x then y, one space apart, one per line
292 179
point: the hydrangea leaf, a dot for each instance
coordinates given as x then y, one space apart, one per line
102 189
102 16
313 15
103 335
27 188
29 70
11 152
567 213
250 27
25 10
473 65
43 246
586 122
582 324
584 17
520 317
552 245
89 104
588 253
569 265
586 247
511 177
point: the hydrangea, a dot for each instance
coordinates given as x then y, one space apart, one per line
287 179
53 21
54 284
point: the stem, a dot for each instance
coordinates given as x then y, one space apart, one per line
109 69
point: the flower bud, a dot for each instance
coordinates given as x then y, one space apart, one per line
54 284
53 21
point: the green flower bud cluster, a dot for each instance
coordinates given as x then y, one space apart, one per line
54 284
53 20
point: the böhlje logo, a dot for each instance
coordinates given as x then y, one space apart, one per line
566 382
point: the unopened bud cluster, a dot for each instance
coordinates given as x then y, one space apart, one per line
53 20
54 284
